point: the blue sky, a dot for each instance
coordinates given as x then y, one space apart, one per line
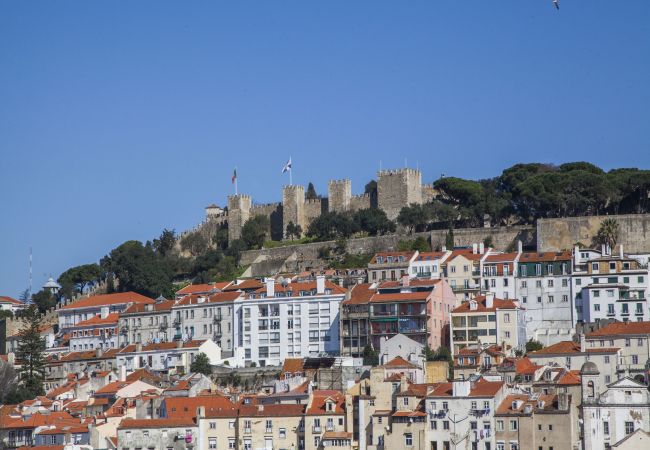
118 119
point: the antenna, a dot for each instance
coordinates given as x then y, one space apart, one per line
29 296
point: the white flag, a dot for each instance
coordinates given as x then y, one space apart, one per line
287 166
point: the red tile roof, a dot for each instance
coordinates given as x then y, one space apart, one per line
569 347
621 329
319 399
415 282
165 305
407 256
292 365
214 298
399 363
13 301
481 308
109 299
176 422
143 375
505 407
501 257
110 319
409 414
467 253
203 288
337 435
430 255
303 286
131 348
244 285
112 388
215 405
360 294
545 256
38 420
482 388
275 410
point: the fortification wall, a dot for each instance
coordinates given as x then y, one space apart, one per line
274 212
358 202
239 207
564 233
428 193
339 193
313 209
293 207
398 188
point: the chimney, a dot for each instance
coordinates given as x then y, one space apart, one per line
576 255
563 401
403 383
122 373
405 280
138 347
475 248
104 312
603 249
270 287
481 248
100 352
620 251
489 299
200 412
520 246
320 284
583 343
179 344
444 248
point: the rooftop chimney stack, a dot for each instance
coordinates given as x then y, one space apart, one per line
577 257
270 287
620 251
520 246
320 284
489 299
475 248
481 248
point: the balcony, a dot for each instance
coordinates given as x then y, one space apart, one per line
163 326
177 322
217 319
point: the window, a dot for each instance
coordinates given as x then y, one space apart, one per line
606 359
629 427
524 284
283 433
499 425
635 359
506 318
551 299
610 308
513 425
408 439
231 443
606 428
550 283
596 307
213 425
445 424
514 446
212 443
628 342
565 298
434 425
524 299
406 401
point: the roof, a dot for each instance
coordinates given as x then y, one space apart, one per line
299 286
244 285
360 294
320 397
203 288
176 422
38 420
194 299
501 257
506 406
545 256
275 410
414 282
409 414
215 406
407 256
111 318
132 348
482 388
399 363
567 348
292 365
400 297
467 253
141 307
109 299
497 303
428 256
112 388
13 301
143 375
337 435
621 329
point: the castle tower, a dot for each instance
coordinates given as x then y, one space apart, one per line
398 188
339 193
293 207
239 211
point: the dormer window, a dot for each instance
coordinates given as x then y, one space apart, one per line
389 259
329 406
380 260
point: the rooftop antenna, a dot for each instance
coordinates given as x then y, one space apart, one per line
29 296
380 165
405 163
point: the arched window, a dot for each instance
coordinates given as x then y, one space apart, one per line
590 389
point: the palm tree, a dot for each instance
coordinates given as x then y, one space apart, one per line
608 233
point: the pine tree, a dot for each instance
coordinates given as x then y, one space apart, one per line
449 240
30 353
311 192
201 364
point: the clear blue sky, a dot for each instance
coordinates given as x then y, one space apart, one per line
118 119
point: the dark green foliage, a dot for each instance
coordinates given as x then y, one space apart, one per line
293 231
488 242
220 239
414 217
532 346
324 252
139 270
373 221
165 243
371 188
201 364
311 192
75 279
44 300
449 239
607 233
428 354
6 314
195 243
255 231
331 225
420 244
30 354
370 356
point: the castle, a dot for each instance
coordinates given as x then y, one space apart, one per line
395 189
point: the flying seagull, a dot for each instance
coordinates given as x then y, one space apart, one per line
557 4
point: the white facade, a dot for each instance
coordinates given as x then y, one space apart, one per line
428 265
175 357
278 322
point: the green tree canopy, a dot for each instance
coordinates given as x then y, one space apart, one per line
533 346
373 221
78 278
165 243
413 217
607 233
30 354
332 225
311 192
201 364
293 231
255 231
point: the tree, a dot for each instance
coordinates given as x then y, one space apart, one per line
7 381
201 364
137 269
195 243
488 242
165 243
413 217
255 230
532 346
44 300
449 239
311 192
293 231
373 221
332 225
30 354
428 354
80 277
370 356
420 244
220 239
607 233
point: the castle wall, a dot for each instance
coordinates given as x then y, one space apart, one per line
274 212
313 209
428 193
293 207
239 207
398 188
564 233
358 202
339 193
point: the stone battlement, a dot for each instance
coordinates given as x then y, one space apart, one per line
405 170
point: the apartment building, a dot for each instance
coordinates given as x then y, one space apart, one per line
207 317
146 322
284 320
499 272
157 433
96 332
462 269
613 412
609 286
202 289
390 265
486 320
534 422
543 286
428 264
632 340
355 319
86 308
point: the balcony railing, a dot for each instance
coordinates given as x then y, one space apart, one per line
316 429
217 319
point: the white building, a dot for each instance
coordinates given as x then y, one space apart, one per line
10 304
428 264
543 286
499 271
97 332
89 307
288 320
622 408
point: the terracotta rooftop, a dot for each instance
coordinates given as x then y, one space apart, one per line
292 365
360 294
399 363
319 398
482 388
203 288
176 422
165 305
621 329
400 297
219 297
109 299
466 253
299 286
430 256
501 257
567 348
481 308
38 420
527 257
414 282
506 406
132 348
110 319
407 256
112 388
245 285
13 301
276 410
215 406
337 435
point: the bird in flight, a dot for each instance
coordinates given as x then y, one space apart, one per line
557 4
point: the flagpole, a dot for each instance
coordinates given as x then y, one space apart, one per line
290 173
236 180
